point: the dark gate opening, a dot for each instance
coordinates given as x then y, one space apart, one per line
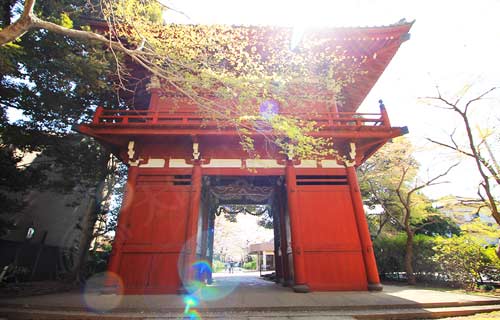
227 197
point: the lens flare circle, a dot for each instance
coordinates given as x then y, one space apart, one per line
103 292
190 302
192 315
197 276
269 109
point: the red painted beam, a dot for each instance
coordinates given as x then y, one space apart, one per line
100 132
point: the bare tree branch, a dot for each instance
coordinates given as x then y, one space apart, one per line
383 203
484 167
478 98
21 26
432 181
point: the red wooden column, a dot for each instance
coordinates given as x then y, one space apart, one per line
122 230
192 221
364 234
297 246
122 226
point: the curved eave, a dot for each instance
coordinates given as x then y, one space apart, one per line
367 139
378 46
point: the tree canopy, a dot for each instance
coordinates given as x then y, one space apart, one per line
241 66
48 83
390 179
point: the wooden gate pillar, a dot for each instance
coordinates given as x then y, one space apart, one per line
210 245
192 221
364 233
123 226
205 216
278 264
283 240
299 273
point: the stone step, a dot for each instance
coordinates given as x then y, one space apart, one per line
338 314
427 313
255 307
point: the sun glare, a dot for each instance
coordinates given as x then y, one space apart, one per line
297 14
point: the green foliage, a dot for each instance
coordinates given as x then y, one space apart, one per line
487 287
380 175
424 251
390 179
390 252
56 82
251 265
66 21
218 266
480 228
380 178
492 269
466 261
97 262
438 225
230 71
457 260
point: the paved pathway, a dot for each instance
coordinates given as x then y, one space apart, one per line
245 293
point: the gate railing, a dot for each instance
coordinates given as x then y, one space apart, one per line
179 118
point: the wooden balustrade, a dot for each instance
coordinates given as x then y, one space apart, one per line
179 118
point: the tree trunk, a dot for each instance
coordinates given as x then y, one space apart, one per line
410 276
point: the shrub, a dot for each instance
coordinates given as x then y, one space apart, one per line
492 270
217 266
487 287
466 260
390 253
251 265
423 263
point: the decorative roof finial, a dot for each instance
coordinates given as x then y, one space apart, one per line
381 104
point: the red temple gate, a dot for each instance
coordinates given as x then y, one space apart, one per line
322 241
